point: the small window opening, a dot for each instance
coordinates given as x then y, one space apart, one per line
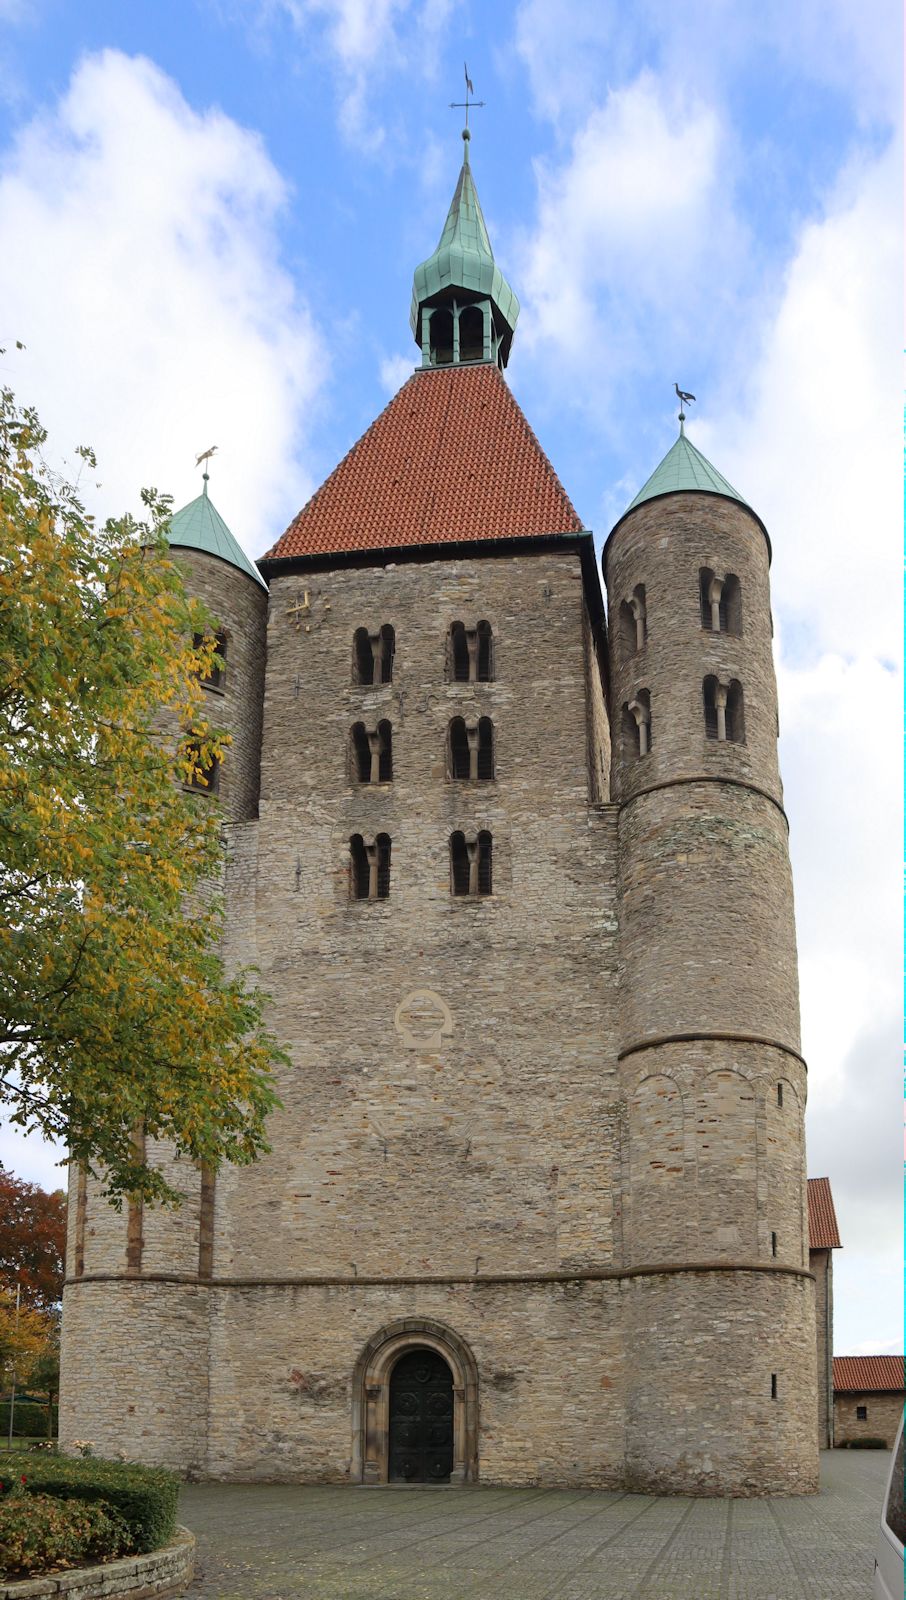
713 604
382 845
471 334
639 615
212 679
460 765
773 1244
485 752
385 753
441 337
459 864
358 868
637 725
386 647
861 1413
731 604
484 665
709 697
361 754
459 654
362 657
484 862
205 769
735 717
780 1094
773 1386
627 630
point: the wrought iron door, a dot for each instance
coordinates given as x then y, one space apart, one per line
421 1419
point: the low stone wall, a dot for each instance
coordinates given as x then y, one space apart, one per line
161 1572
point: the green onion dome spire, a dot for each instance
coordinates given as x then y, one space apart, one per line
199 526
463 309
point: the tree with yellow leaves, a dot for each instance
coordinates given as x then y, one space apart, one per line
116 1012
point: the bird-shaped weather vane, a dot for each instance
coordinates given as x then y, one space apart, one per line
684 400
205 456
459 105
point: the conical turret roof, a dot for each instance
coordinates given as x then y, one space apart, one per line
199 526
684 467
463 259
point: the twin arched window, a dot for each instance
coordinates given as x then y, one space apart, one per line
369 868
636 724
470 864
724 710
470 750
214 678
371 753
634 621
721 602
469 653
372 655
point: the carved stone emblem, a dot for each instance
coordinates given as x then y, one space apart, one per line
423 1020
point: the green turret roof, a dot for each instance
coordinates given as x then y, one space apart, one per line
684 467
199 526
463 258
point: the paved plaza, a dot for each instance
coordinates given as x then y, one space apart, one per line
259 1542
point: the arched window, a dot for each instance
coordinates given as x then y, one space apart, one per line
633 621
459 864
484 666
470 864
458 654
731 600
362 657
485 752
459 763
385 753
709 699
360 754
386 647
471 334
637 725
441 337
369 868
735 715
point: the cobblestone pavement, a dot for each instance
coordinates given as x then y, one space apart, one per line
262 1542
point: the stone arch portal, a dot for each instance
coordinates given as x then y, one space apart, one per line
371 1397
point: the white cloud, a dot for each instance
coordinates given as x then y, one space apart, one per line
395 370
139 263
369 41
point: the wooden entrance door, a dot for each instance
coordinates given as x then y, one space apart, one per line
421 1419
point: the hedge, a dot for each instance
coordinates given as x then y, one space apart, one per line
29 1420
39 1533
865 1444
144 1496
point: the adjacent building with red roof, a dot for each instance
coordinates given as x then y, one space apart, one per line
823 1240
869 1393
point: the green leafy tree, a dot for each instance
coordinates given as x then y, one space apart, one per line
115 1009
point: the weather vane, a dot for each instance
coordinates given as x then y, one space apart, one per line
684 400
205 458
459 105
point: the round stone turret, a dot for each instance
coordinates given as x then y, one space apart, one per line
714 1197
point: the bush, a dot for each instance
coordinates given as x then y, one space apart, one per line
29 1420
144 1496
41 1534
866 1444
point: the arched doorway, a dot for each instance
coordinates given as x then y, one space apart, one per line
374 1392
420 1447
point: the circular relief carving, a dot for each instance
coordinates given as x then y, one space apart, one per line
406 1404
438 1467
438 1405
423 1020
439 1433
407 1433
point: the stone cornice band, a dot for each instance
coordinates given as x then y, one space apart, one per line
692 1038
705 777
347 1280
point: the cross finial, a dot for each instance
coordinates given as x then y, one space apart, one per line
466 104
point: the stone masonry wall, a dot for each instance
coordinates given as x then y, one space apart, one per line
882 1421
821 1263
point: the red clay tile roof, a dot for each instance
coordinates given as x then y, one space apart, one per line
863 1374
823 1233
450 458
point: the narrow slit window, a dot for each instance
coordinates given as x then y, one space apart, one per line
385 652
735 714
773 1244
359 873
780 1095
382 845
485 878
731 604
360 754
773 1386
362 657
484 657
385 752
709 699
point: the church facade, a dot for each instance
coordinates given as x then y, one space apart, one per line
515 873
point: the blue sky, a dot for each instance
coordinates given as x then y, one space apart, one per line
210 212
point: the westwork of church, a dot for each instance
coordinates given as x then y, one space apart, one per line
517 879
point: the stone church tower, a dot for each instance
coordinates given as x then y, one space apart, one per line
519 887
